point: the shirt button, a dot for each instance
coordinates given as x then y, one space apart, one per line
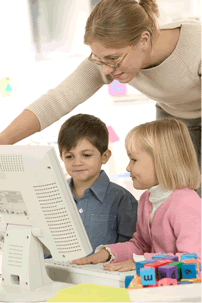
80 210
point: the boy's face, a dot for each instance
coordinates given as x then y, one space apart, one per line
83 162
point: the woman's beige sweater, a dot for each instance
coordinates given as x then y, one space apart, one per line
174 84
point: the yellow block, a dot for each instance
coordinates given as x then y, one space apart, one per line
193 280
91 293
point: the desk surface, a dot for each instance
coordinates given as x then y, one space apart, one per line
179 293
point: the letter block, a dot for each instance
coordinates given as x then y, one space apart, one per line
173 258
189 270
128 279
167 282
188 256
184 282
141 264
178 264
159 256
193 261
134 284
117 88
148 276
156 265
168 271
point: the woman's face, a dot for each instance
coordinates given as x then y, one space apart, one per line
137 58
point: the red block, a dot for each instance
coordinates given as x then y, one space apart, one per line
167 282
156 265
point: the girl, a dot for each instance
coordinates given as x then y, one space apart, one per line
162 160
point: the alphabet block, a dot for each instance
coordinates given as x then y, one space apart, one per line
148 276
184 282
188 256
134 284
159 256
173 258
167 282
128 279
141 264
189 270
178 264
168 271
193 261
117 88
156 265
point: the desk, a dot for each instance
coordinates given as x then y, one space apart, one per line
179 293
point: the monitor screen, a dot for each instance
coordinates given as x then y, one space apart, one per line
37 207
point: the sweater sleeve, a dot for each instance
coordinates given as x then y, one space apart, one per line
75 89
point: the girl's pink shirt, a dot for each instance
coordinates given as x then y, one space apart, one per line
175 228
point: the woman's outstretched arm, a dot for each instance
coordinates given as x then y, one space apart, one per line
24 125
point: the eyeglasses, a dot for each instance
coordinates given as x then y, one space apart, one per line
113 65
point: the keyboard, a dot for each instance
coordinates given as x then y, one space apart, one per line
89 273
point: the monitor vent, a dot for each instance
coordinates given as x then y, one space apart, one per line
57 218
15 254
11 163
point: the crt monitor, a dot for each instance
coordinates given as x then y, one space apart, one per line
37 210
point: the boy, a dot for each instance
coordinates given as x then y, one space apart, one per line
108 211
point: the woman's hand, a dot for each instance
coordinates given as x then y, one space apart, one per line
121 266
99 257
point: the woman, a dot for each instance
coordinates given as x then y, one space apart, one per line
127 44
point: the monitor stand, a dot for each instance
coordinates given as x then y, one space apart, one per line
24 276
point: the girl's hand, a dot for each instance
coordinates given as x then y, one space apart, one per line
121 266
99 257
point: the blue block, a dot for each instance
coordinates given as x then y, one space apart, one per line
184 282
148 276
128 279
188 256
173 258
141 264
159 256
189 270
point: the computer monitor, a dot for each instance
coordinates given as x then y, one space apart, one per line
37 207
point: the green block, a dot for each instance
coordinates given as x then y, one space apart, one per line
178 265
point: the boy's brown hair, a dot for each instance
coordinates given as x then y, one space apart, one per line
83 126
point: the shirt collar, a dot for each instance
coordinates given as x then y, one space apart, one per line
99 187
158 195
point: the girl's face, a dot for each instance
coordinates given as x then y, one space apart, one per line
142 170
137 58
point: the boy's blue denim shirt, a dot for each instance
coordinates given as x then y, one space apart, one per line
108 212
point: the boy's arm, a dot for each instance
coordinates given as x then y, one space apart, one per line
127 217
137 244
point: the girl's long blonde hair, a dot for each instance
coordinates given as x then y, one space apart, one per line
169 143
119 23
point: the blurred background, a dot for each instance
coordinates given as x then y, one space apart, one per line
42 43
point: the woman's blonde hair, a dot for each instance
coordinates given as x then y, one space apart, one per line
169 144
119 23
